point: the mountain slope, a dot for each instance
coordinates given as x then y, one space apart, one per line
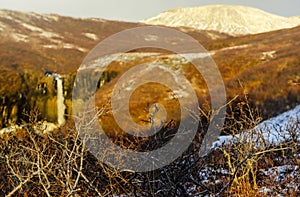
56 42
234 20
264 66
33 44
295 19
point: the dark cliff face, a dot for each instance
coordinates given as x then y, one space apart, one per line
14 96
38 94
86 82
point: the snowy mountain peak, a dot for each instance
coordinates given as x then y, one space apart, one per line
233 20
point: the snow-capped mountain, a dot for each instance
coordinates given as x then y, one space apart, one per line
295 19
233 20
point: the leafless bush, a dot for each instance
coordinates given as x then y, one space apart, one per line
58 164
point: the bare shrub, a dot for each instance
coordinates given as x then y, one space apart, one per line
33 163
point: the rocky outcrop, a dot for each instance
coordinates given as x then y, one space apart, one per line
37 98
85 83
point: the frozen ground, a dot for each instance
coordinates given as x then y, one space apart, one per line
274 130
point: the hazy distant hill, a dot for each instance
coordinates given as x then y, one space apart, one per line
234 20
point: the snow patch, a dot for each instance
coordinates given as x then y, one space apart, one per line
213 36
175 59
232 48
274 131
72 46
268 55
19 37
50 17
47 34
97 19
50 46
42 32
8 14
65 46
91 36
31 27
3 14
279 173
44 127
2 26
39 127
287 175
10 129
193 56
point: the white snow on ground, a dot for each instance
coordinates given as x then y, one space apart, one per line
124 57
31 27
51 17
19 37
48 34
209 174
49 46
2 26
286 175
46 17
65 46
40 127
45 127
3 14
42 32
231 48
96 19
129 57
268 54
91 36
8 14
278 173
9 129
72 46
190 56
273 131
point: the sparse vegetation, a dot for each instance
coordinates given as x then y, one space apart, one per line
33 163
264 67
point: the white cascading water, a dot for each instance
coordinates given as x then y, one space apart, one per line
60 102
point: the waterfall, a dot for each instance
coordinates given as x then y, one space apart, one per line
60 102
